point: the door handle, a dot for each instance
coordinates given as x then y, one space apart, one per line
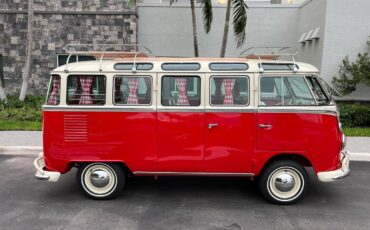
265 126
212 125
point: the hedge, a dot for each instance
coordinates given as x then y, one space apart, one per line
354 115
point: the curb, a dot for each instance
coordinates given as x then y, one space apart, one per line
35 150
20 150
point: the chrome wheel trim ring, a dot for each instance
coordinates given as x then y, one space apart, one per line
93 190
293 192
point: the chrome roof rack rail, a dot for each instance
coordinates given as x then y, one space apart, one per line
128 50
273 53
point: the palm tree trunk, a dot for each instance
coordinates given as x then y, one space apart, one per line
194 21
226 29
27 69
2 91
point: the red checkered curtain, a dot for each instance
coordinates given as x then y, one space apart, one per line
218 91
133 84
181 84
53 99
86 85
229 84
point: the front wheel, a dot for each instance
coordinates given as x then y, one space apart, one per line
101 180
283 182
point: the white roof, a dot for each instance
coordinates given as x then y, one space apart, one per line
108 65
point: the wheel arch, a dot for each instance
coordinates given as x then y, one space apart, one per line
299 158
124 166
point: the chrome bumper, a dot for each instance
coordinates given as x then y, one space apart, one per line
338 174
41 174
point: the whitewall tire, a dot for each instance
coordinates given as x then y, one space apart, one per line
283 182
101 180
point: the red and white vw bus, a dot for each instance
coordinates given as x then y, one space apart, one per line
151 116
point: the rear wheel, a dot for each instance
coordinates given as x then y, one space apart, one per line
283 182
101 180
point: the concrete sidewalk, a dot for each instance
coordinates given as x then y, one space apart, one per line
31 141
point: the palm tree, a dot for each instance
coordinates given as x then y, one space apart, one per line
239 23
207 19
27 68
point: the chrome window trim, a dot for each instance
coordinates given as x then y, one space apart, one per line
270 110
313 96
137 76
92 75
229 76
161 78
96 109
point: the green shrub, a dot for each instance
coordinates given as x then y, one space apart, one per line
16 110
353 115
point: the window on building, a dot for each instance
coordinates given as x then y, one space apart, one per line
86 90
132 90
285 91
226 90
180 91
62 58
53 96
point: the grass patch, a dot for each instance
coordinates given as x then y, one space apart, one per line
20 125
357 132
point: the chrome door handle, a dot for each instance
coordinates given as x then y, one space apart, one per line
212 125
265 126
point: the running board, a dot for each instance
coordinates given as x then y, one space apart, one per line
146 173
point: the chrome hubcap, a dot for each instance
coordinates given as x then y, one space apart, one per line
99 178
284 182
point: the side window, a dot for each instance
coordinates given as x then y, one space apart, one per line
318 91
180 91
86 90
132 90
53 97
285 91
229 90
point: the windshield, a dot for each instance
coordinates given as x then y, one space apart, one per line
318 91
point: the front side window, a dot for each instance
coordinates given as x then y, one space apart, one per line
229 90
86 90
318 91
53 97
285 91
132 90
180 91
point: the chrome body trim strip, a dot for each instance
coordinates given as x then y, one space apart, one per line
149 173
89 109
329 112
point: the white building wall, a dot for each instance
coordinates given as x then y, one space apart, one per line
347 32
168 31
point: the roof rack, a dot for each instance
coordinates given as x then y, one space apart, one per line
126 50
271 53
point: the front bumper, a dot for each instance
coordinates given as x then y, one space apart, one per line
41 174
338 174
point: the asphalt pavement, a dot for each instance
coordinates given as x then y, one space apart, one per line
177 203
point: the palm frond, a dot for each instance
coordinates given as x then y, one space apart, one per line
239 21
207 15
132 3
172 2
